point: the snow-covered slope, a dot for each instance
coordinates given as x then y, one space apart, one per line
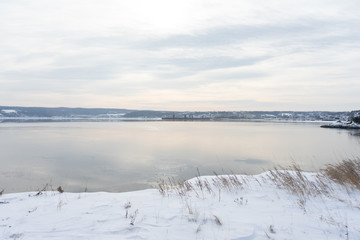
241 207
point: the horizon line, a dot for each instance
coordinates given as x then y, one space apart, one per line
129 109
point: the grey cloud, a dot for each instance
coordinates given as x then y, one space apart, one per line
215 37
238 75
59 80
199 64
63 73
306 31
183 67
301 35
83 73
245 104
115 41
33 56
212 37
138 59
301 30
248 104
352 37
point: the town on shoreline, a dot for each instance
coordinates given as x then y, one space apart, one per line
8 113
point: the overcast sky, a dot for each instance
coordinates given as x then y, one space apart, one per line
181 55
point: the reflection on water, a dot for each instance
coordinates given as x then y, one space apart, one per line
354 133
123 156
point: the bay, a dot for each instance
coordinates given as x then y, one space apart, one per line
126 156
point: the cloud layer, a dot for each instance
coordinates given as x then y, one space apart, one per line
181 55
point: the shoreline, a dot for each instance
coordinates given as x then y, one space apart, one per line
277 204
342 125
79 119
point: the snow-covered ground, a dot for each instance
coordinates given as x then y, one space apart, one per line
344 125
207 208
8 111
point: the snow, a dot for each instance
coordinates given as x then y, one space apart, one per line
8 111
257 209
343 125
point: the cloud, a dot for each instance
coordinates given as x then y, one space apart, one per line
211 63
224 54
64 73
184 67
303 30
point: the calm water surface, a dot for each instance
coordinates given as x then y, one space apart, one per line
123 156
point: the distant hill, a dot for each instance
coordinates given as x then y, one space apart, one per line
147 114
7 111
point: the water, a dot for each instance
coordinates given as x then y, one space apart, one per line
124 156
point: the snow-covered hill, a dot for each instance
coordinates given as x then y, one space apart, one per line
217 207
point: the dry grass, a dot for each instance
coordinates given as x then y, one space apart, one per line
200 186
294 181
133 217
302 187
345 173
60 190
166 186
44 189
229 182
217 220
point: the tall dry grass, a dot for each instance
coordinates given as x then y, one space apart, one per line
292 179
201 186
345 173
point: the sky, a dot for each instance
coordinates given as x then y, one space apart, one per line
188 55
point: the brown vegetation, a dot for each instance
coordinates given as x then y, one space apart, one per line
346 173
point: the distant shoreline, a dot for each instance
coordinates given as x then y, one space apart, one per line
342 125
95 119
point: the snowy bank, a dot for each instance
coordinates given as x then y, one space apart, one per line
342 125
273 205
